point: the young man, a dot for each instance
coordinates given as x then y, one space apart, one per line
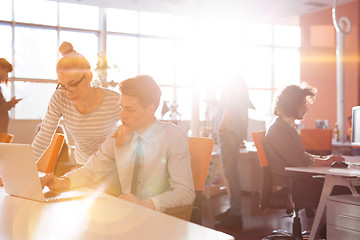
154 165
5 68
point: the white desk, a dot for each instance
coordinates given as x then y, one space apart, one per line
102 217
348 177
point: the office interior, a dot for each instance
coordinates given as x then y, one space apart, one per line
187 46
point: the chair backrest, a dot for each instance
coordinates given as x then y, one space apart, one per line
268 197
47 161
6 137
200 152
316 141
259 137
266 190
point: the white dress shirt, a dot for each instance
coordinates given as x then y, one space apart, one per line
165 174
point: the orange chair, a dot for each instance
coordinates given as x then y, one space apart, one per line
200 152
47 161
316 141
269 197
6 137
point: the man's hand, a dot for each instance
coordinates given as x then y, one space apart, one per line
54 183
132 198
14 101
122 135
327 160
1 183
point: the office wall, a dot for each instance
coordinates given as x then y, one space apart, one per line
318 62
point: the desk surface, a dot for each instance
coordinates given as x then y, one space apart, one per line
352 171
346 172
333 176
98 217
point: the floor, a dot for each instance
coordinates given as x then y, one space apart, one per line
257 224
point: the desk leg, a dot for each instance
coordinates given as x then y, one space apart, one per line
328 186
351 183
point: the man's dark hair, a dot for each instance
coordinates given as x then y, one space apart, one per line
4 64
142 87
291 97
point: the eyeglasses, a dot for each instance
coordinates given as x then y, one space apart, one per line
70 88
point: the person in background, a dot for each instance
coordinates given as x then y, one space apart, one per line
90 112
153 167
283 143
283 147
5 68
232 126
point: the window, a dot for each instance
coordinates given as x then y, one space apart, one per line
287 36
5 10
35 53
32 99
185 102
157 24
184 26
79 16
38 12
185 63
257 34
5 42
119 20
168 97
122 57
256 65
286 67
262 101
157 59
188 57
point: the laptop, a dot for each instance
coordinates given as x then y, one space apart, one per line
21 177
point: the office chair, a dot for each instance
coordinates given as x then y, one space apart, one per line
48 160
200 152
6 137
274 199
316 141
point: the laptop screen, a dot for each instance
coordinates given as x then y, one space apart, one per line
355 138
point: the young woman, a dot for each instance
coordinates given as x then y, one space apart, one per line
90 113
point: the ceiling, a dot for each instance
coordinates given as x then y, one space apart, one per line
275 11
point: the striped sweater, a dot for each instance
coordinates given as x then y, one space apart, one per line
88 130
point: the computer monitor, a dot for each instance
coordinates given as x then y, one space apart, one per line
355 126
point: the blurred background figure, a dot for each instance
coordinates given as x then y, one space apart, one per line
5 68
232 125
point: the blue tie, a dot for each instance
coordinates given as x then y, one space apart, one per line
138 156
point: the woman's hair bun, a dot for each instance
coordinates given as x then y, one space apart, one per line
66 48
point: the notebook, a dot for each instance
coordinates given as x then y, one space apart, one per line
21 177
